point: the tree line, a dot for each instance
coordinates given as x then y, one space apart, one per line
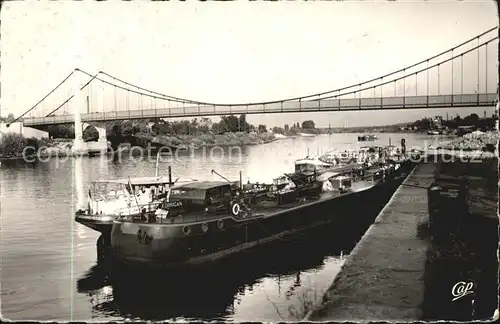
307 126
129 128
471 120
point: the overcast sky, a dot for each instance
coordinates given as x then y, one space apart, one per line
234 52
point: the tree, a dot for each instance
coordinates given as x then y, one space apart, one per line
471 119
287 127
10 118
308 124
243 123
278 130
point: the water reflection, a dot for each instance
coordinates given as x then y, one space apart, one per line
44 252
214 291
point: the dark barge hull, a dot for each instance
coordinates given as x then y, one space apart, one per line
168 246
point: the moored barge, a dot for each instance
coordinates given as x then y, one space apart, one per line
107 199
205 221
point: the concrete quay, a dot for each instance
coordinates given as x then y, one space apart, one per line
383 277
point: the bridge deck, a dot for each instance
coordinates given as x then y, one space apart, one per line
409 102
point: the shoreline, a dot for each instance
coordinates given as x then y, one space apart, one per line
468 144
400 269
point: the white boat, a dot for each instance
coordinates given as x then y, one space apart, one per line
323 169
307 134
108 199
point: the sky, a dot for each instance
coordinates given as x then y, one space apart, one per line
236 52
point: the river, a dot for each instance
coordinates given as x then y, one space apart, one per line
49 269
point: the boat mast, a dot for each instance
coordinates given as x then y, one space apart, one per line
213 171
157 164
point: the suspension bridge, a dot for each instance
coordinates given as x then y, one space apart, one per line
458 77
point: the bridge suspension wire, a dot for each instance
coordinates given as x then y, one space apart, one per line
184 101
162 96
177 99
71 97
45 97
95 77
418 71
127 89
156 95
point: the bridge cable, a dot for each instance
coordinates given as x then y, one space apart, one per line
177 99
307 96
52 91
95 77
329 97
419 71
71 97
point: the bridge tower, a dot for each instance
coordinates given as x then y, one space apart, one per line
101 146
79 146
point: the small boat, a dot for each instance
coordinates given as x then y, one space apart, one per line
433 132
367 137
330 164
307 134
108 199
208 220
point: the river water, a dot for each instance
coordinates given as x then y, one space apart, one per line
49 266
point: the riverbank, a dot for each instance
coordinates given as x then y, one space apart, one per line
399 272
472 141
12 147
210 140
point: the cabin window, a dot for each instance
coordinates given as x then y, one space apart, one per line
215 194
107 190
346 183
187 193
305 168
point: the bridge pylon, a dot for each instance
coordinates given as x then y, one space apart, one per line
79 147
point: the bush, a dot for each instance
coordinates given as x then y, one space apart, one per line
12 144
